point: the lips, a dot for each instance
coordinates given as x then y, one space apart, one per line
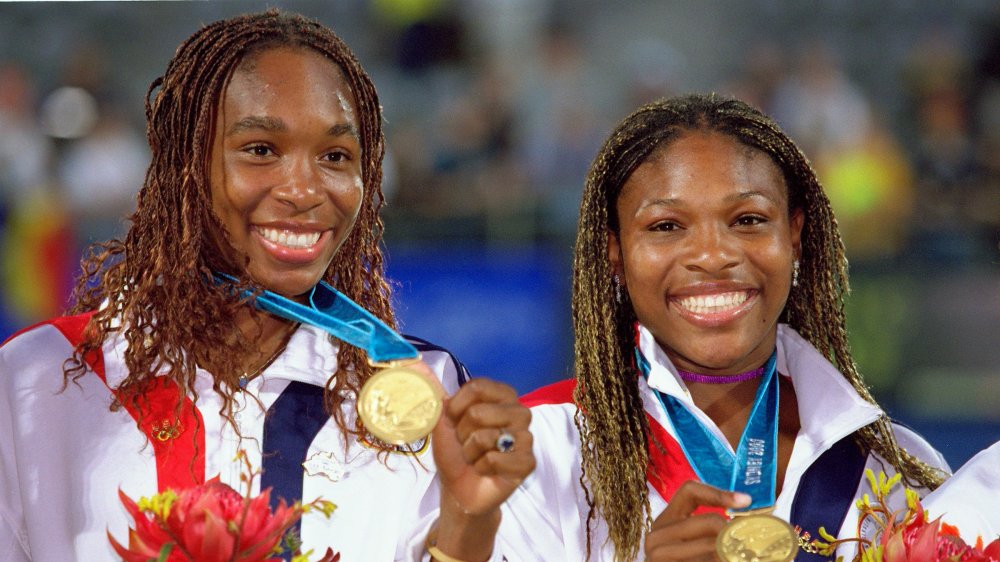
713 308
288 238
709 304
296 246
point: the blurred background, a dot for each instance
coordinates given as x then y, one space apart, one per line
494 111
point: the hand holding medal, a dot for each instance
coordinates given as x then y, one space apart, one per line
751 472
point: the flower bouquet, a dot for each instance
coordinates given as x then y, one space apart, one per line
212 522
905 535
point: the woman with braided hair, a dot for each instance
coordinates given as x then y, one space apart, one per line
264 188
713 375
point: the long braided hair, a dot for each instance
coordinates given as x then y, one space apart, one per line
610 417
155 285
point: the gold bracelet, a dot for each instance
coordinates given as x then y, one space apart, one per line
431 546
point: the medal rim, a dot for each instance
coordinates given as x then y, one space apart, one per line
390 436
738 519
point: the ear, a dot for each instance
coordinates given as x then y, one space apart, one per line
615 256
795 223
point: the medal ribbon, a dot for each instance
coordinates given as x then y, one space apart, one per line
333 312
754 467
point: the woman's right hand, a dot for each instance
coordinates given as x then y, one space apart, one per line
679 534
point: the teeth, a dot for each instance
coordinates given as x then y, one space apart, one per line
707 304
288 238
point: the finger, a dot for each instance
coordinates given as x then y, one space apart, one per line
425 371
693 494
698 549
707 525
484 441
476 391
512 417
513 466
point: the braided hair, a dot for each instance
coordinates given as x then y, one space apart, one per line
610 416
155 287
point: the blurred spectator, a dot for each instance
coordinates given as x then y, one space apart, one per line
36 256
24 148
819 106
870 186
560 126
944 151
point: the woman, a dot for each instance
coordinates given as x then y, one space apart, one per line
266 139
708 267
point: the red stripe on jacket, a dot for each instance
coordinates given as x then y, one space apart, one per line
668 467
177 436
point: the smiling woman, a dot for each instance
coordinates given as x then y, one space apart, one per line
267 145
716 404
286 167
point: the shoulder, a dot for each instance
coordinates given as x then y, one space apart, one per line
553 412
53 340
916 445
71 329
556 393
446 364
33 358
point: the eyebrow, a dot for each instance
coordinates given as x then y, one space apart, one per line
273 124
341 129
257 122
676 201
751 194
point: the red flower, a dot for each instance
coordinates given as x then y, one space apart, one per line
906 535
209 523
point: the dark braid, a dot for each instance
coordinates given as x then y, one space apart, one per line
614 426
156 284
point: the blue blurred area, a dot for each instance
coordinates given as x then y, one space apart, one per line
957 439
504 312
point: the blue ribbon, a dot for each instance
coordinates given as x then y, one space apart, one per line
333 312
753 469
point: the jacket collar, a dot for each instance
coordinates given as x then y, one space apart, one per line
310 357
829 407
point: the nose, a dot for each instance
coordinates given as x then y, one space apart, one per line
301 187
710 249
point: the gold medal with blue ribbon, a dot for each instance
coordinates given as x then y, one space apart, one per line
752 533
397 404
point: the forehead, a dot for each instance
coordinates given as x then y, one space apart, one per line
697 162
275 74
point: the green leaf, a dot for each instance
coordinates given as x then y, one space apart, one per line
165 552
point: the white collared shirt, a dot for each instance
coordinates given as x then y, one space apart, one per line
64 455
545 519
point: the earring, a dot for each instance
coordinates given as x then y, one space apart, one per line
795 273
618 289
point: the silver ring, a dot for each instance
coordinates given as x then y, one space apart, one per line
505 442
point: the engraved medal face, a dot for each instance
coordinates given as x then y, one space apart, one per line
399 406
757 538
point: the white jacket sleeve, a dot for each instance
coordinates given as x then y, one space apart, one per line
13 538
969 499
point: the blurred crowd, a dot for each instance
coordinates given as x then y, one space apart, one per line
493 115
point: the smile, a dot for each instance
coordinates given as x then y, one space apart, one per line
713 304
288 238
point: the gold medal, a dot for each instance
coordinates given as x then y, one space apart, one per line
757 537
399 405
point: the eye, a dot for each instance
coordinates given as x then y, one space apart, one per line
259 150
337 156
750 220
664 226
